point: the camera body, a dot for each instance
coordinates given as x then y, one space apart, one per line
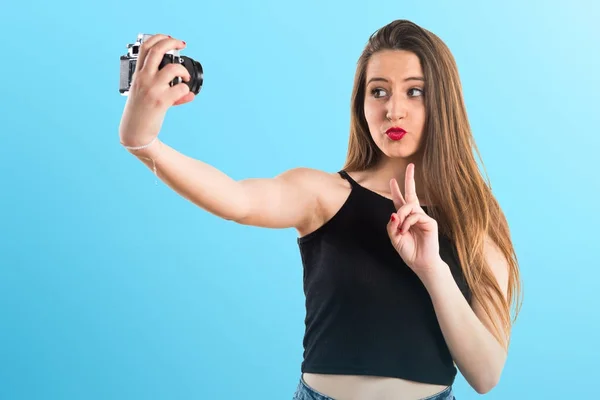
129 62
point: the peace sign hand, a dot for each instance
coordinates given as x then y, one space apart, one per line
413 233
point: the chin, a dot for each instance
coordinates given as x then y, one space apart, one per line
397 150
401 156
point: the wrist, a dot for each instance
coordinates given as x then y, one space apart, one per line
438 273
148 150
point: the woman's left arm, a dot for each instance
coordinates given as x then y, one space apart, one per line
467 330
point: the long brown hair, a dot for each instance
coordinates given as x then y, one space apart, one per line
466 210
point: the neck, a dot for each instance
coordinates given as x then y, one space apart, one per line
389 168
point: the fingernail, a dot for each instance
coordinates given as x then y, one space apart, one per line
393 218
183 41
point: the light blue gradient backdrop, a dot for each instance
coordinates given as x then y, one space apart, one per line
112 287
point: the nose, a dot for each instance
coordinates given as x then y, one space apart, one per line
396 109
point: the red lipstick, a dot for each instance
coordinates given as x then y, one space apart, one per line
395 133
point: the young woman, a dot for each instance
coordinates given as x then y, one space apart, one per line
403 287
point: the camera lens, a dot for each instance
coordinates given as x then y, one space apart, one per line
196 72
193 67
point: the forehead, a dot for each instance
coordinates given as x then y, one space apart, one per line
394 64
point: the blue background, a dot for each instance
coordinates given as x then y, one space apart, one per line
114 287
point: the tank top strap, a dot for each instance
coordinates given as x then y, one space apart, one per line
345 175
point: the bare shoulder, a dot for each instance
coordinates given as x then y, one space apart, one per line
308 176
328 191
294 198
315 181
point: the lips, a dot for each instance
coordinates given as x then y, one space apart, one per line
395 133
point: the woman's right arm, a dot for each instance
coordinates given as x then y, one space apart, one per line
286 200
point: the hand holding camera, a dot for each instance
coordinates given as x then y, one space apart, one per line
154 77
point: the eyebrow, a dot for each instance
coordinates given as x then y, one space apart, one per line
410 78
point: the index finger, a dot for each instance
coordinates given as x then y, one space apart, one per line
147 45
409 184
158 50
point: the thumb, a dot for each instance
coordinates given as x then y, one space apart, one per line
185 99
177 94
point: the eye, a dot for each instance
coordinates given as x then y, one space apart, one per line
412 91
376 91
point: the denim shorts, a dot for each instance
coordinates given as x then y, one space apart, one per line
305 392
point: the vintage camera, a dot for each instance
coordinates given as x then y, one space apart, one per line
129 60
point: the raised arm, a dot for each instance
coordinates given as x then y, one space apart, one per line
284 201
280 202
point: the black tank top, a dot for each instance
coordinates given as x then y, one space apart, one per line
367 313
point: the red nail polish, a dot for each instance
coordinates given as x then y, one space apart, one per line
183 41
393 218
